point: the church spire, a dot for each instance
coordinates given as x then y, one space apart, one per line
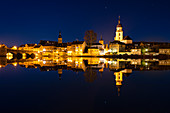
101 41
119 20
59 37
101 37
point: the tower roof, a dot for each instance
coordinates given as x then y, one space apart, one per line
127 38
60 35
101 37
119 24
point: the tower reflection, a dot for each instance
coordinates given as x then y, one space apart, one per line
91 66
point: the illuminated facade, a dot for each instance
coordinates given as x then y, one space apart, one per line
119 34
116 46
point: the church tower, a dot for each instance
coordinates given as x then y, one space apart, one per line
118 79
59 38
119 31
60 72
101 41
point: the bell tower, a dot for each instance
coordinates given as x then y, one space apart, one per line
119 31
59 38
118 79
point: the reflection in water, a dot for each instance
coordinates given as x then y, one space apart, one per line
90 66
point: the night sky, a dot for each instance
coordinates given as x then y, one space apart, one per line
28 21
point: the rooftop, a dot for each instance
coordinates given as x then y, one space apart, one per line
117 42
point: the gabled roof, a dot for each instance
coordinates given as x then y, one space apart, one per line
117 42
37 46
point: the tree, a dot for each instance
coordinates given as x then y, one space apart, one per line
90 37
90 75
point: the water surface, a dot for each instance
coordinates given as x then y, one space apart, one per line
84 85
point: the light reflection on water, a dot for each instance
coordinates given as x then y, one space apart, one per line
84 85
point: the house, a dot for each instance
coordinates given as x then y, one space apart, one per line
116 46
77 48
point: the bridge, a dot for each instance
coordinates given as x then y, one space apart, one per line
21 53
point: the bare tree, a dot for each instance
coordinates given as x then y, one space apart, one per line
90 37
90 75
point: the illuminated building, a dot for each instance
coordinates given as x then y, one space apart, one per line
27 47
77 48
119 34
135 51
93 51
14 47
116 46
165 51
38 48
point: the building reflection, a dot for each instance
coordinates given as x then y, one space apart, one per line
91 66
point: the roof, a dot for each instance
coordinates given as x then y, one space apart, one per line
61 45
69 43
59 35
48 43
150 42
31 45
77 42
117 42
37 46
119 25
22 46
127 38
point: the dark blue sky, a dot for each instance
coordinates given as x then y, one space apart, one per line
28 21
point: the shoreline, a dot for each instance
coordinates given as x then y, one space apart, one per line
120 56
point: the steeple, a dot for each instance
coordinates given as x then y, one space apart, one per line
101 41
60 38
119 31
118 90
60 71
119 20
101 38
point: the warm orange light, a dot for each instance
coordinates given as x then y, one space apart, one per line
14 64
9 56
15 47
